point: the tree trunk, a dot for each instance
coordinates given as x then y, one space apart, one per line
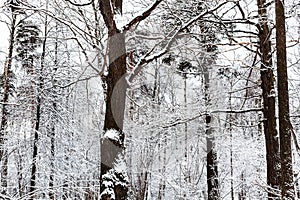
268 96
32 187
5 113
116 85
53 121
285 128
242 193
211 165
37 119
115 104
230 121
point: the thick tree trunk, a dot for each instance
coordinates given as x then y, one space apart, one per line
115 106
285 128
5 113
116 85
268 94
115 103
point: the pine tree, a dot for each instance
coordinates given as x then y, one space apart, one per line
27 40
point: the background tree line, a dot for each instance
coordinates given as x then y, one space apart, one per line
162 99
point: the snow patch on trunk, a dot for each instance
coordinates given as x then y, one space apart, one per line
112 134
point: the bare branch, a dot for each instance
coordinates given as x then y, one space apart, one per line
149 58
182 121
141 17
238 111
78 80
78 4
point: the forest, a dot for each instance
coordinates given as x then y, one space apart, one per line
149 99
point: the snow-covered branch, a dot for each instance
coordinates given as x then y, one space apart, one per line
141 17
147 58
183 121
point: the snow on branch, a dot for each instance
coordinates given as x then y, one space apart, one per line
147 58
182 121
141 17
79 4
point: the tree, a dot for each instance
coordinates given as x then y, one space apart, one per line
28 41
179 139
285 127
211 159
268 94
7 90
115 106
111 148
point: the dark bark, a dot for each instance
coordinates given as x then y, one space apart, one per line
115 99
5 113
32 186
211 159
53 121
230 120
211 166
52 151
285 128
117 5
4 173
37 119
268 97
162 184
242 193
115 105
116 86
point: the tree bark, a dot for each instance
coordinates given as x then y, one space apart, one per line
211 166
115 100
285 128
54 112
37 118
268 97
32 187
211 159
116 85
